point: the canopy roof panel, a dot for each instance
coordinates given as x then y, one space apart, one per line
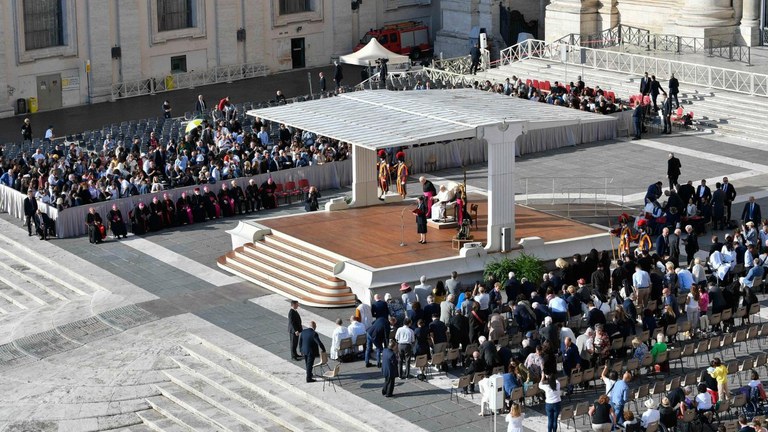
371 52
380 118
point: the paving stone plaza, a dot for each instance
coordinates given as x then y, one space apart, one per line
148 333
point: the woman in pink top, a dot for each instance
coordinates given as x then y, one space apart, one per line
703 306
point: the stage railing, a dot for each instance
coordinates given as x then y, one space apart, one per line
159 84
554 189
623 35
751 83
458 65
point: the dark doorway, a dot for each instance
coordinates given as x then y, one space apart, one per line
297 53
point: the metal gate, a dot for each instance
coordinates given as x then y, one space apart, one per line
49 92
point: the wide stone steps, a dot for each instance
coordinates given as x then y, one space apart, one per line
222 407
729 113
155 421
289 268
187 410
242 381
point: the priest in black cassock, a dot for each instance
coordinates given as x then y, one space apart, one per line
93 220
116 222
268 198
184 213
156 215
169 211
140 219
197 201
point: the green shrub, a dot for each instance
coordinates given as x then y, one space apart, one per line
524 266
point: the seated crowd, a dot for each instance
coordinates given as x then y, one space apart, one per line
588 315
575 95
213 152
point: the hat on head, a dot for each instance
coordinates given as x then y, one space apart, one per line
382 153
665 401
400 156
650 404
404 286
642 222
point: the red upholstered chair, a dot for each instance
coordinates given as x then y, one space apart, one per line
528 82
304 185
280 192
536 84
546 86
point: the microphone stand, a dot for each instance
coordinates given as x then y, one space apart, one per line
402 227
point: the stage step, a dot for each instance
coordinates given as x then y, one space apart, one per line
160 423
289 268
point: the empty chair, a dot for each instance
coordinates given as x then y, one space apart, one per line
461 383
332 374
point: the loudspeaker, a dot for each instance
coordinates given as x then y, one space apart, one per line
241 35
506 239
483 41
116 52
583 55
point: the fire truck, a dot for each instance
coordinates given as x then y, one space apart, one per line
409 38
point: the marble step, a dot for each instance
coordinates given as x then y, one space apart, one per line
259 415
323 412
257 394
178 413
160 423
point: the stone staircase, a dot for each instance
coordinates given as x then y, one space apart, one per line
291 268
30 282
213 389
724 112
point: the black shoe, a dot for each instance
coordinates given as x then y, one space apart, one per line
311 380
368 365
635 138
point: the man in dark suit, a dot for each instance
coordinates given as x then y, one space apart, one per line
294 328
703 191
41 224
691 241
673 170
30 209
666 114
475 55
751 212
654 192
377 335
655 90
645 85
686 191
637 119
311 346
730 195
379 307
200 106
389 368
322 82
674 247
662 243
338 74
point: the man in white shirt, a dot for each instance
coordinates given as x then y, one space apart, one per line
405 339
423 290
364 313
355 328
651 415
49 134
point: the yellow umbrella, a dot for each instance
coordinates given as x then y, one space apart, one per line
192 124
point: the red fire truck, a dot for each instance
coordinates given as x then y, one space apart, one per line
409 38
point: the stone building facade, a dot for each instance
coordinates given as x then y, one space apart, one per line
71 52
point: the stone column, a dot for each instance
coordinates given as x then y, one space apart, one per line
750 22
706 18
609 14
501 179
364 181
571 16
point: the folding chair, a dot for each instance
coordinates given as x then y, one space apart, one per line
566 415
330 375
461 383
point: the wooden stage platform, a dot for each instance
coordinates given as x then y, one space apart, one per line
371 235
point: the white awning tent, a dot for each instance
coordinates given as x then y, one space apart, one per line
371 52
371 120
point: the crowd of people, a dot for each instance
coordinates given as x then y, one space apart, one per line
216 151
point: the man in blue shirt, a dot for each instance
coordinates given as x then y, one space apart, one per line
617 391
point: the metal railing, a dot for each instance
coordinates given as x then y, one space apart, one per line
217 75
755 84
558 189
622 35
575 196
459 65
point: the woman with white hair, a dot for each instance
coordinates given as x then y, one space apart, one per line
698 271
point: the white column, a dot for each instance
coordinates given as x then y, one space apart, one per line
501 179
750 22
364 180
571 16
706 13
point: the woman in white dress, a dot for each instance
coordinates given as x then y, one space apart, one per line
515 418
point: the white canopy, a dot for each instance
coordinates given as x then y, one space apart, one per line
379 118
372 52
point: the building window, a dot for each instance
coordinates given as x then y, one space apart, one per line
179 64
43 24
295 6
175 14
